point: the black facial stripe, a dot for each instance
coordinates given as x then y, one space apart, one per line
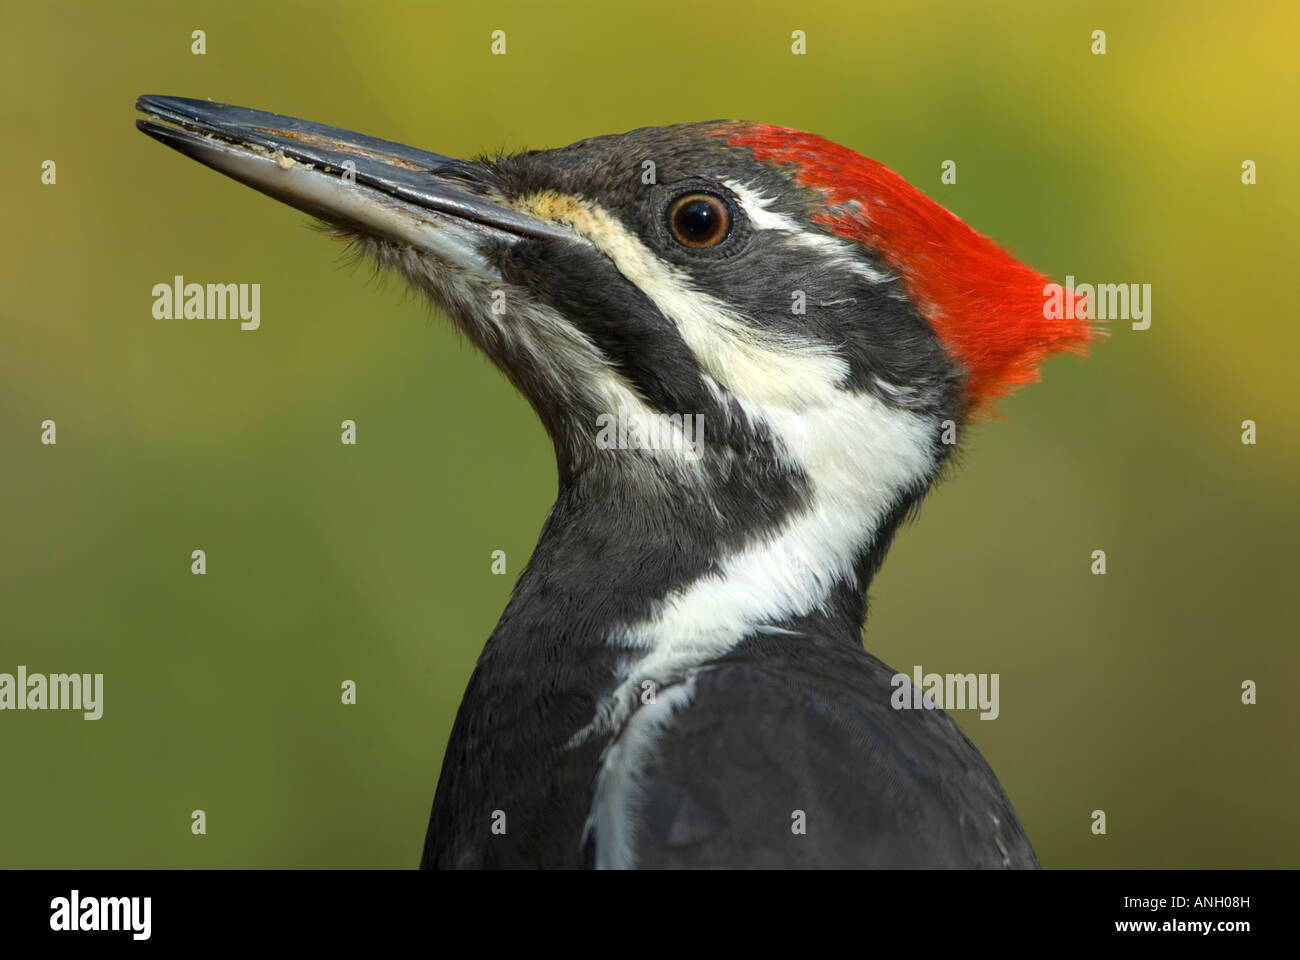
587 289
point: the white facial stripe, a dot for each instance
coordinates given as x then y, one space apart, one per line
829 247
753 367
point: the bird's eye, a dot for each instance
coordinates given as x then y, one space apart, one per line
699 220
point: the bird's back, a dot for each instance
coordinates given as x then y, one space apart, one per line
791 755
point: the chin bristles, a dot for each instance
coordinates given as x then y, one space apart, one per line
986 307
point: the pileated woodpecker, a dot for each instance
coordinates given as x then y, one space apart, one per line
752 349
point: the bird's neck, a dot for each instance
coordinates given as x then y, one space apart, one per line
670 563
625 591
705 571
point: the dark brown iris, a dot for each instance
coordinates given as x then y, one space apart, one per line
699 220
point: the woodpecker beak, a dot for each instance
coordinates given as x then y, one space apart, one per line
434 203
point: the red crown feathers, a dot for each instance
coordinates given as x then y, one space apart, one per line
986 307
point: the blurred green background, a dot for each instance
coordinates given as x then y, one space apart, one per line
372 563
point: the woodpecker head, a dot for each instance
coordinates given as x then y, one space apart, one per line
824 321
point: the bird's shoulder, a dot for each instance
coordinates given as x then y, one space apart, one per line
794 755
